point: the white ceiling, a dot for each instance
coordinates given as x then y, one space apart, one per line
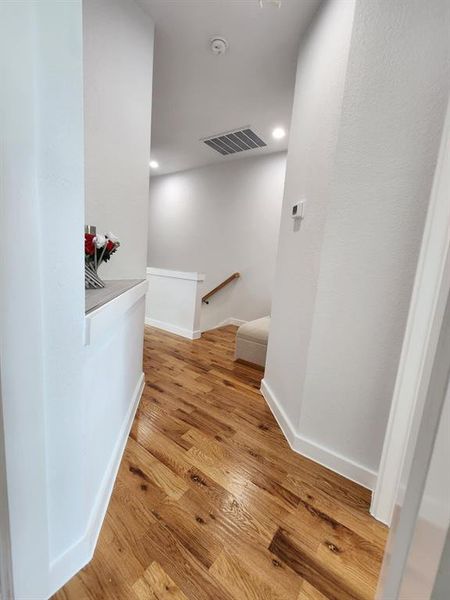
197 94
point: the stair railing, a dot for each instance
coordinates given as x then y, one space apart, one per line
231 278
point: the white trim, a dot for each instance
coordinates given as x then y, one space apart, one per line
6 579
316 452
191 275
187 333
232 321
229 321
279 414
80 553
416 542
431 288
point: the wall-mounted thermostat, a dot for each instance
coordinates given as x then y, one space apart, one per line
298 210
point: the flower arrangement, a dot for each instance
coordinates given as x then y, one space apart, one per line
98 248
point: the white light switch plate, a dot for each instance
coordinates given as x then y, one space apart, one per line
298 210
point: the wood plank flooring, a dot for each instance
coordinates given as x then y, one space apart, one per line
210 502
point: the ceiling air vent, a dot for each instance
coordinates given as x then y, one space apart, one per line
234 141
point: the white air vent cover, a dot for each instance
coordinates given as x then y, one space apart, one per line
235 141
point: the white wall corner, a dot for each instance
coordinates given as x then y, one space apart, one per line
316 452
279 414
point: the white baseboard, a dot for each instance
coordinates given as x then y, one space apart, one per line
316 452
187 333
81 552
279 414
229 321
232 321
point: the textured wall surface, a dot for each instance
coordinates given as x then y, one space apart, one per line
393 112
313 137
351 278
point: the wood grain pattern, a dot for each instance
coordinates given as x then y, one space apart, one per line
210 503
157 585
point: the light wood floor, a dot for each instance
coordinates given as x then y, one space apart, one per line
211 503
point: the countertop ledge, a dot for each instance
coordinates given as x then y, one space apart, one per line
113 288
103 317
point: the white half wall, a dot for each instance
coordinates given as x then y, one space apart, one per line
111 383
174 301
118 67
336 339
218 220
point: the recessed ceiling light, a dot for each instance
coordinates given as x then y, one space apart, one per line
154 164
278 133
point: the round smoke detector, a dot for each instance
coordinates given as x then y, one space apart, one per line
218 45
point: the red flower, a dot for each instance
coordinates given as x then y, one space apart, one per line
89 246
110 246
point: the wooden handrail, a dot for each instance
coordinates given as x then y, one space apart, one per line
220 286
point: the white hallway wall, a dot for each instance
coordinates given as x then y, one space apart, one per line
117 97
82 432
368 111
217 220
61 421
21 281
